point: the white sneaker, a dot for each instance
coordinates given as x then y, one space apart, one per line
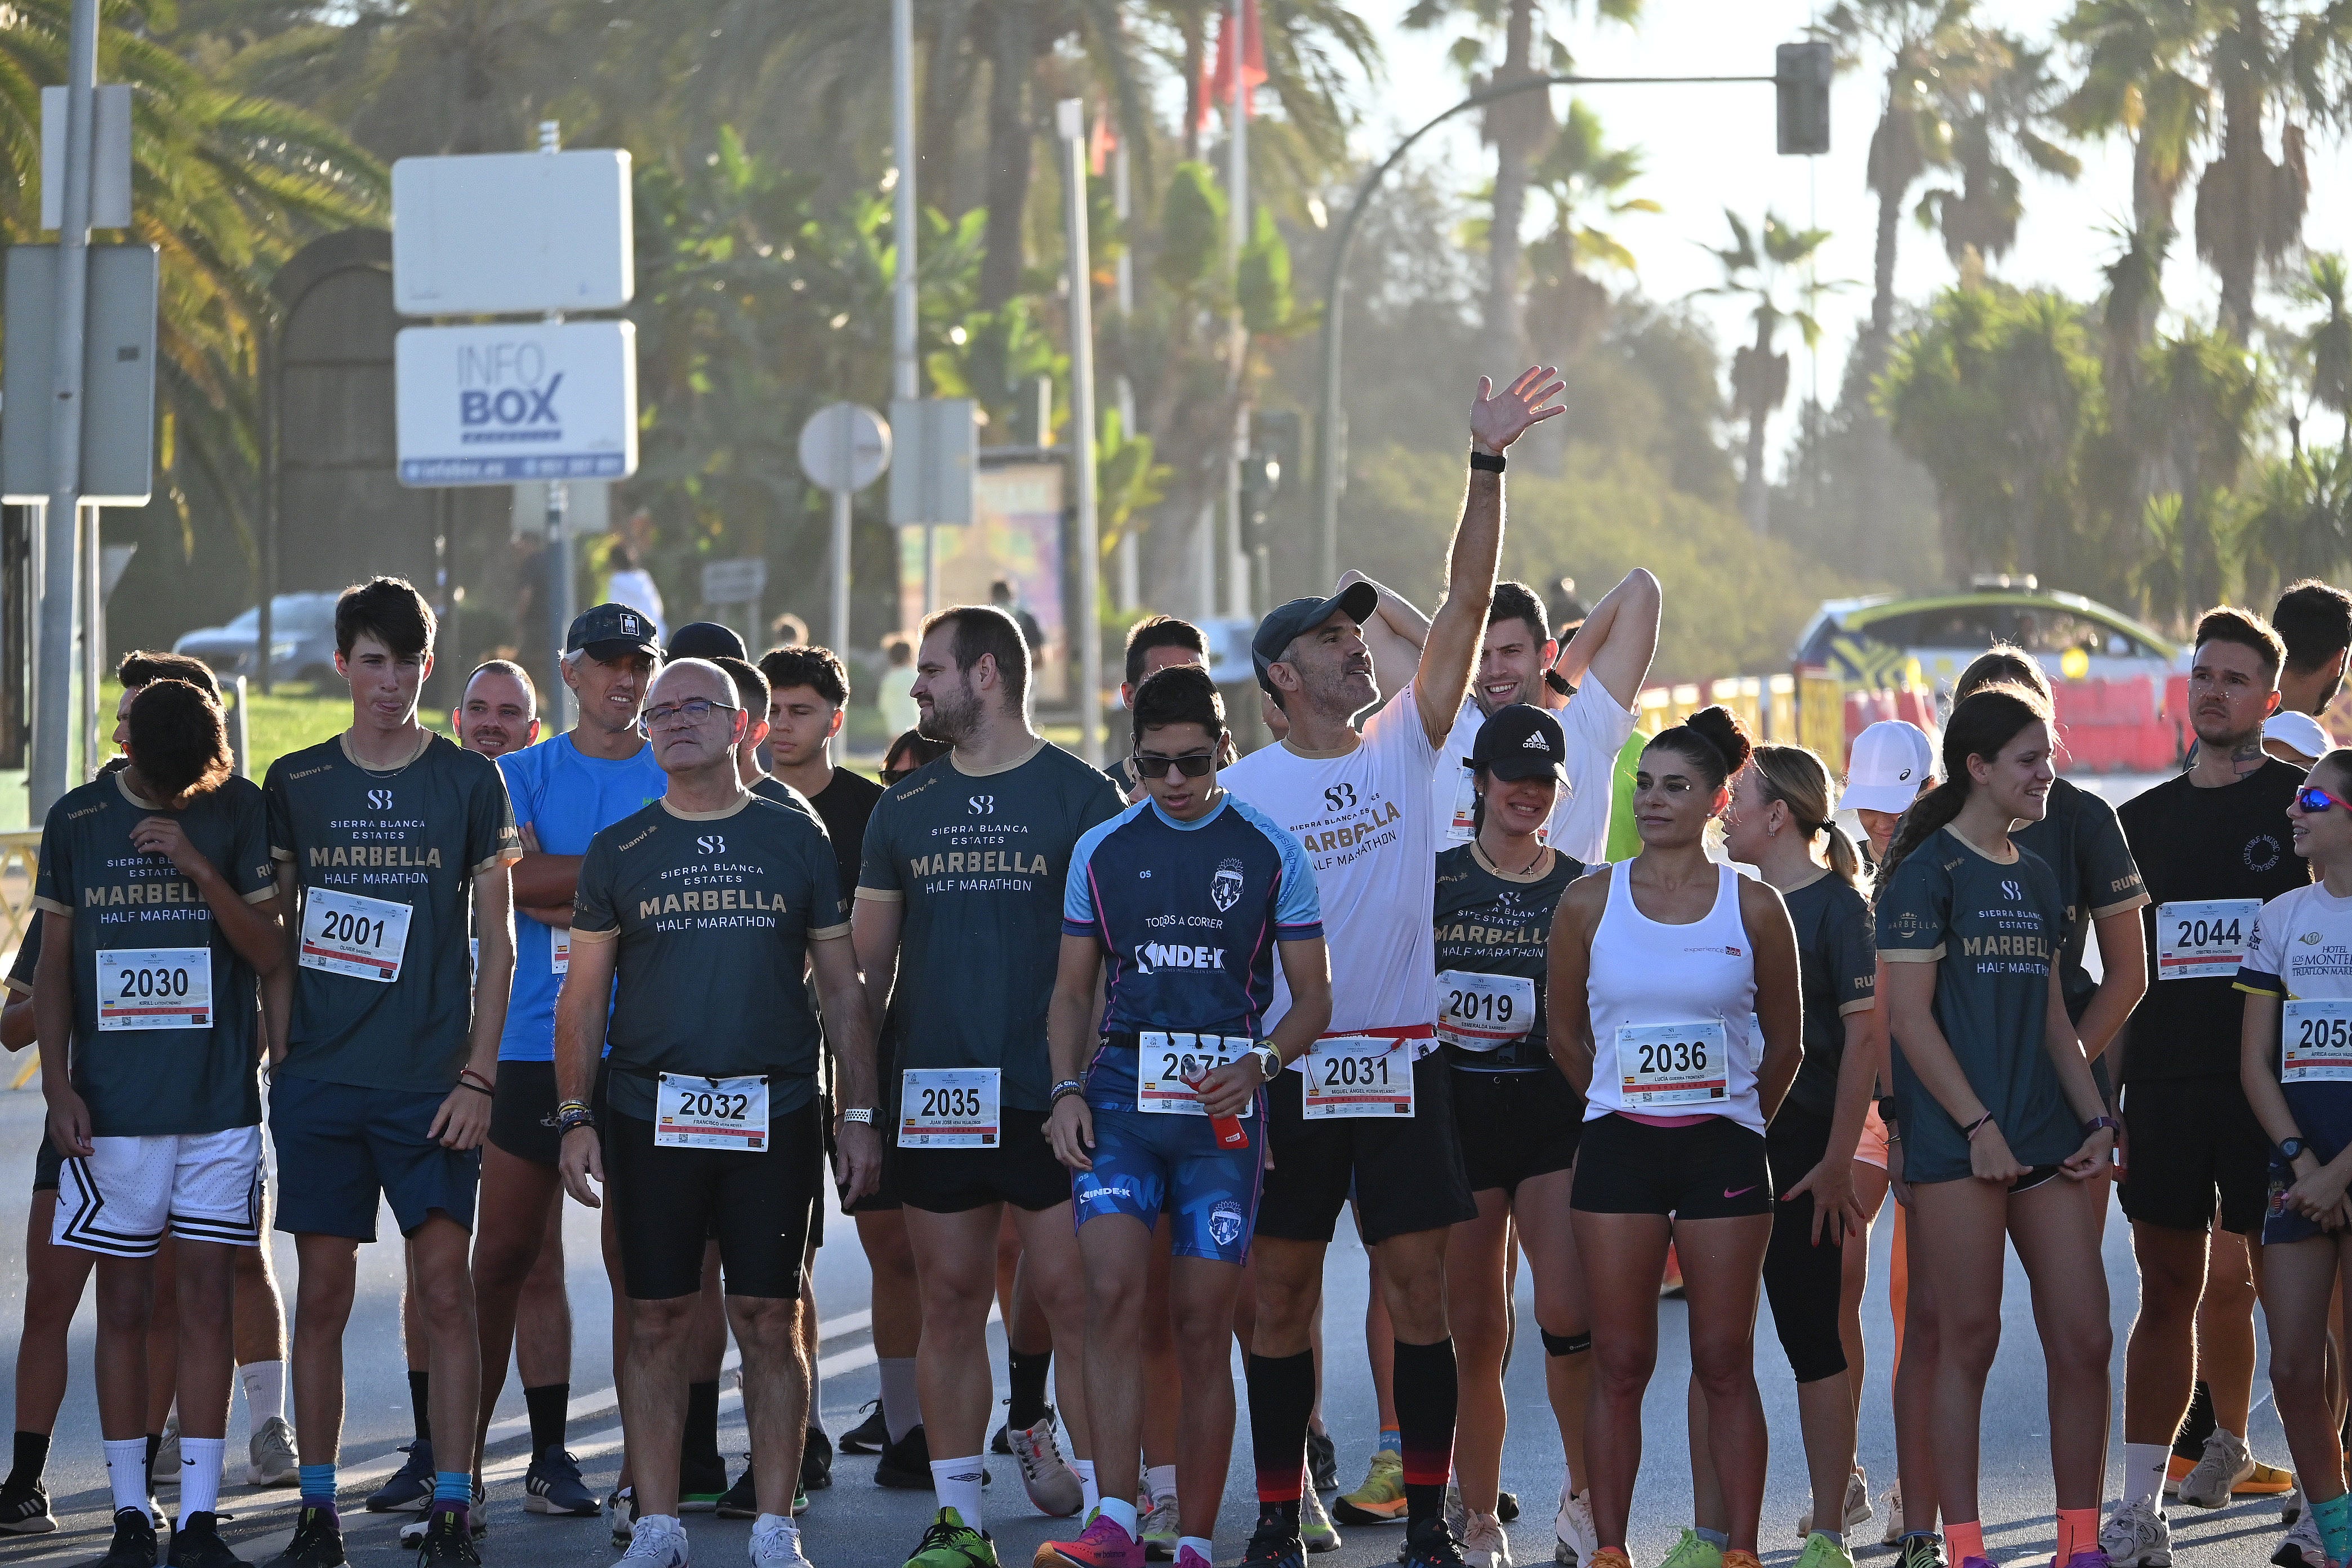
658 1540
271 1460
2226 1462
778 1546
1857 1508
2137 1535
1484 1544
163 1470
2301 1548
1316 1531
1893 1501
1053 1487
1457 1517
1575 1538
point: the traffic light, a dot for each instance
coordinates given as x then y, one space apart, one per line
1800 80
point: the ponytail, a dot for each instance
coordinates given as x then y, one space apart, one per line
1846 865
1798 778
1981 723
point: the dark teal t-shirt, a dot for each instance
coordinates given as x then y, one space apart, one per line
978 861
146 1082
714 913
1490 922
415 834
1992 928
1837 967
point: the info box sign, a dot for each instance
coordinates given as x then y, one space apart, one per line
533 400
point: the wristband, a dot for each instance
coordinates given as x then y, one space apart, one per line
861 1115
1558 682
1978 1125
2096 1122
479 1079
573 1118
1068 1086
478 1088
1486 462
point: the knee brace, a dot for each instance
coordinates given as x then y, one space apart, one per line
1565 1344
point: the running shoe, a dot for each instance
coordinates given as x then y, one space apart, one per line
905 1465
163 1469
1103 1543
410 1486
1611 1557
1857 1508
1429 1544
1322 1460
620 1509
1316 1531
1736 1558
1920 1549
2268 1481
1893 1503
701 1484
448 1537
2175 1470
741 1501
2301 1548
24 1510
1694 1551
868 1436
318 1541
133 1545
196 1543
552 1486
660 1544
778 1546
1506 1507
1380 1499
1820 1551
2090 1557
270 1456
1274 1547
1484 1544
2291 1509
1158 1527
1002 1442
2225 1464
1053 1487
1456 1515
1188 1558
949 1542
816 1459
478 1520
800 1501
2137 1535
1574 1538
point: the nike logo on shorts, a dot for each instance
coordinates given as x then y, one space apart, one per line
1733 1192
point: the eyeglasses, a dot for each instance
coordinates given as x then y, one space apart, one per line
1192 764
2315 800
694 710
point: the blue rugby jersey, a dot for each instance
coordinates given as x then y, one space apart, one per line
1188 914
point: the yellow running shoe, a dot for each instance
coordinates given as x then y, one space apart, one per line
2267 1480
1380 1499
1694 1551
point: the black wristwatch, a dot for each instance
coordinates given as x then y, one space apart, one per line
1488 462
2290 1147
1558 682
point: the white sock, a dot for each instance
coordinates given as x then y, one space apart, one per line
1088 1492
200 1474
768 1521
1837 1536
956 1484
126 1471
1206 1547
1162 1479
265 1390
1121 1512
902 1410
2143 1467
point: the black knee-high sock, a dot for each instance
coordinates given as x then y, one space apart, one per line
700 1439
547 1405
1426 1399
1026 1372
420 1400
32 1457
2197 1426
1281 1398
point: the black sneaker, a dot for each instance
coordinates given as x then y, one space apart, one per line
701 1483
816 1461
1002 1442
1274 1547
412 1534
905 1465
1429 1544
24 1509
1506 1507
196 1543
318 1541
1923 1548
552 1486
1323 1461
134 1540
447 1539
868 1436
621 1512
410 1486
742 1500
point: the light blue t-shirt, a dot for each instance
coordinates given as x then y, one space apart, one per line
564 798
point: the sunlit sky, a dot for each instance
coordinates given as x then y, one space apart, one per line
1707 146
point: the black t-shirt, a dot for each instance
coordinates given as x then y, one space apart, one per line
2194 845
2083 844
1488 921
1837 968
846 805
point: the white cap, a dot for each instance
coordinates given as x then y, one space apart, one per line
2300 731
1890 761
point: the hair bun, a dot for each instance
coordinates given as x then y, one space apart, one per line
1721 728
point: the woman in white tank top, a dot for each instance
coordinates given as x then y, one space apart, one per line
1673 958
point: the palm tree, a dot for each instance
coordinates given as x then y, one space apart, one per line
2327 350
1997 93
1584 178
2203 391
1758 264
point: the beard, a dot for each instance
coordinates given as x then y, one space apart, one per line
954 716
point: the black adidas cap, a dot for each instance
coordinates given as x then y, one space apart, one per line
1521 742
608 631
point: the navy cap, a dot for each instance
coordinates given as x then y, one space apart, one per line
1521 741
608 631
1284 623
707 640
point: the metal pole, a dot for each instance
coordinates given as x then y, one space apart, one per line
1122 204
903 380
240 735
93 640
840 559
52 737
1237 593
559 600
1072 112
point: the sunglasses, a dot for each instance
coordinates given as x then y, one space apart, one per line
892 776
2315 800
1193 764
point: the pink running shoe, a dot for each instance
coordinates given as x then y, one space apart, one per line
2090 1557
1105 1544
1187 1557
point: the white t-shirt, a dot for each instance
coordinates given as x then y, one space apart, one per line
1362 819
1596 728
635 588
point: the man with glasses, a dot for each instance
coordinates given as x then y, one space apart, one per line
708 906
957 926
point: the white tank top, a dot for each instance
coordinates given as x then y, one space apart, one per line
1673 1010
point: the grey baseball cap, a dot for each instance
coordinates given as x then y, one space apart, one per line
1284 623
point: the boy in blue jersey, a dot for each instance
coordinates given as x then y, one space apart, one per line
1191 893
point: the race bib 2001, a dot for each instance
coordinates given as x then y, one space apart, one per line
347 933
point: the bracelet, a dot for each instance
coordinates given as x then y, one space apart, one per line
861 1116
573 1118
479 1079
1068 1086
478 1088
2096 1122
1973 1128
1487 463
564 1105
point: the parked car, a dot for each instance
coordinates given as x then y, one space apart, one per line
1869 639
302 640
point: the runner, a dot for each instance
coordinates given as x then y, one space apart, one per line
159 1115
399 841
958 929
1153 644
2212 844
1890 764
1517 1120
1360 804
2004 1134
2295 738
1192 951
2298 982
1675 1013
2314 620
1780 811
707 905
